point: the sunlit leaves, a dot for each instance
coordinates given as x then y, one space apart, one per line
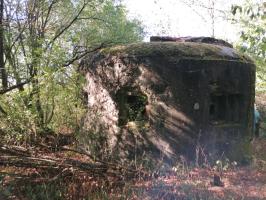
252 19
42 37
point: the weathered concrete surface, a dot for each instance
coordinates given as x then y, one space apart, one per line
207 40
164 99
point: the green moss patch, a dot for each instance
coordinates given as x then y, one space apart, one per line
189 50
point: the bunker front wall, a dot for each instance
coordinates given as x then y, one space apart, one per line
190 98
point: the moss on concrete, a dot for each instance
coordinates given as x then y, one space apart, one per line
159 84
183 50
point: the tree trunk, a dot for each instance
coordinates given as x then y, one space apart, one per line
2 64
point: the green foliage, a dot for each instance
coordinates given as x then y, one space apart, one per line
44 43
252 20
62 102
44 191
131 105
54 190
111 26
20 122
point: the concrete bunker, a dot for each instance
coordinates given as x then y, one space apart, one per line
163 98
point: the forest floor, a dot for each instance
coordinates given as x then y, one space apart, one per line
182 182
60 175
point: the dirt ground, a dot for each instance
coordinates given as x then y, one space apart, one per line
181 182
239 183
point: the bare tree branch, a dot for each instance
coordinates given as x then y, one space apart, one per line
79 56
15 87
69 24
48 14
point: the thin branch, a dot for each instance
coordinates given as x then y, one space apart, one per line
68 25
190 5
16 39
91 18
77 57
48 13
15 87
2 111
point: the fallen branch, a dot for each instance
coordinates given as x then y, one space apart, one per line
14 150
111 165
21 157
32 162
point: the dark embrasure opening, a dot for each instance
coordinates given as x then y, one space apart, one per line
131 105
225 108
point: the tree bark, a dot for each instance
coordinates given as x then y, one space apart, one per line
2 64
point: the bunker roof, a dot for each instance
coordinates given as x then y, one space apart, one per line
182 50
